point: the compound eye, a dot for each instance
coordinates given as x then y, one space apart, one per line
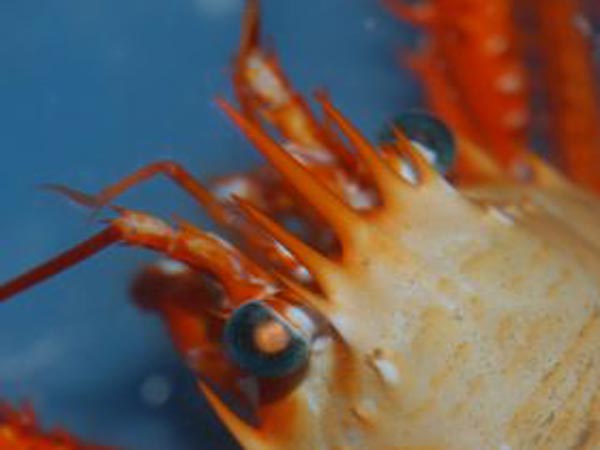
260 340
435 138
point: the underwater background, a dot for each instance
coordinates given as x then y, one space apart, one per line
91 90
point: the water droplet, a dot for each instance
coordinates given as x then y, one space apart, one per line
155 390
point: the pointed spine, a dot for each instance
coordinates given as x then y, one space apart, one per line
322 268
544 174
305 296
474 165
425 172
331 208
244 433
386 180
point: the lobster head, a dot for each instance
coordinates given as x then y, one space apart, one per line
319 340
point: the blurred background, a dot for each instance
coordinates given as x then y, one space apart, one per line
93 89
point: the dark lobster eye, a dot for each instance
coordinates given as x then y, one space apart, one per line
262 342
431 133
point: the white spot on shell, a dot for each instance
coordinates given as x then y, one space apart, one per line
320 344
428 153
234 186
135 223
357 196
510 83
407 170
501 216
308 155
301 320
314 401
408 173
366 409
265 82
172 267
582 24
496 45
155 390
387 370
302 274
505 447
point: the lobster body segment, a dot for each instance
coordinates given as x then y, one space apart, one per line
465 321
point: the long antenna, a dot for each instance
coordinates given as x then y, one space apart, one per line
59 263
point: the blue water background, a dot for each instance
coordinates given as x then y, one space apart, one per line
89 91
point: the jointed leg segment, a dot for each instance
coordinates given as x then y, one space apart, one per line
172 170
199 250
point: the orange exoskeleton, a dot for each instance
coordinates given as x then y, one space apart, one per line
371 303
19 431
474 66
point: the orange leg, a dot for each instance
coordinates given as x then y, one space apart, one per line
484 76
478 41
174 171
442 97
572 88
269 191
201 251
275 203
261 188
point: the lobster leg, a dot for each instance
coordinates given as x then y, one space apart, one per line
570 78
477 46
443 98
174 171
255 187
182 178
199 250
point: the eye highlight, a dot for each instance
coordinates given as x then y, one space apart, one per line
434 136
260 340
